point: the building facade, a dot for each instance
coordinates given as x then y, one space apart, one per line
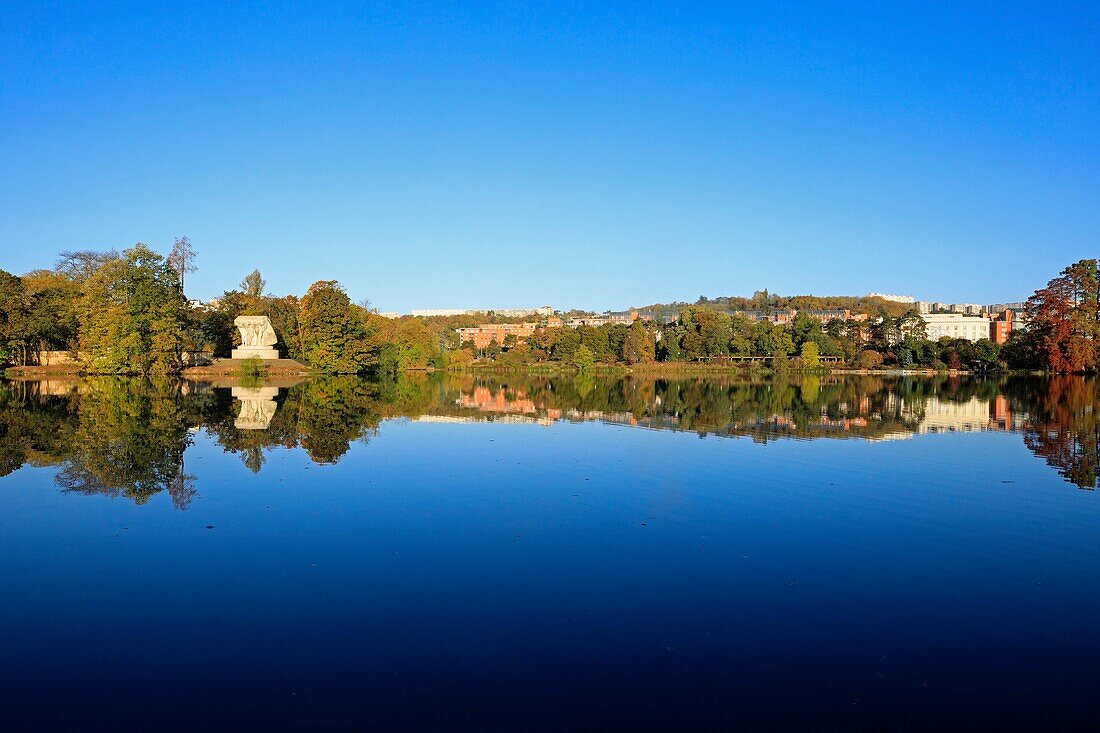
624 318
893 298
955 326
495 333
1002 324
543 311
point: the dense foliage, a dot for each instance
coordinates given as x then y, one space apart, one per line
334 334
125 313
132 316
1065 321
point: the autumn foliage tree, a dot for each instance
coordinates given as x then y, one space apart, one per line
335 338
133 317
639 347
1064 319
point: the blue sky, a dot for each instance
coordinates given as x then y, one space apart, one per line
469 154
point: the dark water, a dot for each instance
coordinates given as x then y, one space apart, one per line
527 553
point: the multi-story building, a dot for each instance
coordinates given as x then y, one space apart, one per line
835 314
999 307
784 316
543 311
781 316
893 298
955 326
1002 324
623 317
495 333
490 333
968 309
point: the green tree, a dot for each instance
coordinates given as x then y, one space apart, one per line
13 319
403 343
582 359
52 311
809 355
566 342
334 337
639 347
133 318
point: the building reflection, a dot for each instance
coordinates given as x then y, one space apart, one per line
896 415
128 438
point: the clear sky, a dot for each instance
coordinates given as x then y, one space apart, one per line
578 155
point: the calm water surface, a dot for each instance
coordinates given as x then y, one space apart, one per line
531 553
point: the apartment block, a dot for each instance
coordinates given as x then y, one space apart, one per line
495 333
956 326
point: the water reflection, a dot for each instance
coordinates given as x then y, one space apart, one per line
128 438
257 406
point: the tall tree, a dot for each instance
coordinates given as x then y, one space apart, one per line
1065 318
79 265
52 320
182 258
639 347
253 284
133 317
334 336
809 355
13 319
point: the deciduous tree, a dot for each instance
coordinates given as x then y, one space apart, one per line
334 337
133 317
182 258
1064 318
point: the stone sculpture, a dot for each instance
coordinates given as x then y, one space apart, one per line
257 338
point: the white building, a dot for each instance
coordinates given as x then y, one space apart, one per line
893 298
506 312
970 309
955 326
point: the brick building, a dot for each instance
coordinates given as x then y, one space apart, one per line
490 333
1001 325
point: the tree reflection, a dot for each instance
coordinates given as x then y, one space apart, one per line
1064 427
127 438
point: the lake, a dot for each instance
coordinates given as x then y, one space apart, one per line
550 553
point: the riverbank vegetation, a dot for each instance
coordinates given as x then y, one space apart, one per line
126 313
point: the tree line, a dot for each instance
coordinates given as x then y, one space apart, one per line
702 332
126 313
1060 333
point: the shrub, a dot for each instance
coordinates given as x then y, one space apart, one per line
253 367
869 359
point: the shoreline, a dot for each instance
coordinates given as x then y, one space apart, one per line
275 368
283 368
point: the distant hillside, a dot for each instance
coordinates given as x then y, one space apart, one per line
769 302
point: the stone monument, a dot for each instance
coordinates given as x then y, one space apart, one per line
257 407
257 338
